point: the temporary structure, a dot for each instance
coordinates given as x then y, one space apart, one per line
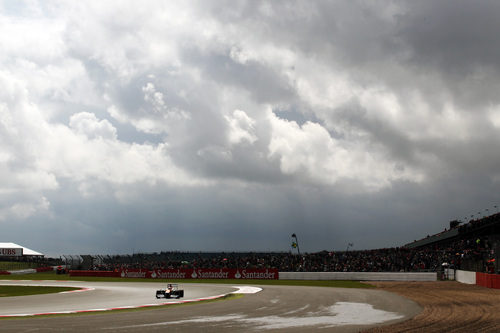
15 250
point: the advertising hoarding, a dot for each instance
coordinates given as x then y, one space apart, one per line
11 252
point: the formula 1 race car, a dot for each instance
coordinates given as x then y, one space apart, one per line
172 291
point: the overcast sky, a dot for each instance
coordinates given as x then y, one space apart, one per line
147 126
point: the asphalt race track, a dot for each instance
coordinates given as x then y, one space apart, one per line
98 296
274 308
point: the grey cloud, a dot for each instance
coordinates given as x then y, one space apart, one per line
444 52
458 41
255 218
264 84
352 33
454 44
453 36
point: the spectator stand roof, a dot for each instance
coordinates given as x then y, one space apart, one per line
433 239
26 251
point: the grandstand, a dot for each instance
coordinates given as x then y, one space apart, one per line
477 243
471 246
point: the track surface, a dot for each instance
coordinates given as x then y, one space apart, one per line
275 308
100 296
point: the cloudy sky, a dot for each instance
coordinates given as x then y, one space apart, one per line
229 125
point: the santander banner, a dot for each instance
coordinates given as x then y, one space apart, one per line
198 273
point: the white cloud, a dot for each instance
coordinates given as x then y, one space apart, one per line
87 124
24 209
117 114
241 127
79 157
309 149
494 116
36 154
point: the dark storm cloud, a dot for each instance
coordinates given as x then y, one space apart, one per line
452 36
458 40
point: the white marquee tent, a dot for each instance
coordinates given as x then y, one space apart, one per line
14 246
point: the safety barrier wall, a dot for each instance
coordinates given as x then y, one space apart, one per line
199 273
23 271
359 276
448 274
262 274
45 269
465 277
29 270
480 279
94 273
488 280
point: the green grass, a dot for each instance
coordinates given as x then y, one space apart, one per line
8 291
13 265
311 283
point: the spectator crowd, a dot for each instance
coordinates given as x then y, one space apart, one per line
400 259
471 246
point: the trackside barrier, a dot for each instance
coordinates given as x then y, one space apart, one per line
488 280
480 279
44 269
465 277
94 273
23 271
29 270
198 273
359 276
448 274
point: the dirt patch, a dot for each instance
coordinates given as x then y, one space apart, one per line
448 307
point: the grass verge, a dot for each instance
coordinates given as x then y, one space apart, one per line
8 291
12 265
